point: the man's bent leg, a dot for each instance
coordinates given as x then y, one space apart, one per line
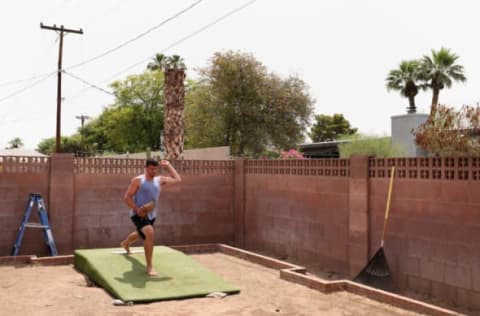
148 246
132 237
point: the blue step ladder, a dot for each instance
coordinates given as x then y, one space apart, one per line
36 199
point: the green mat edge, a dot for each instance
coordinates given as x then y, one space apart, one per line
83 265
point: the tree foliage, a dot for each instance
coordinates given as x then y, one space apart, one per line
330 127
238 103
434 72
204 125
163 62
134 122
405 80
451 133
15 143
440 70
70 144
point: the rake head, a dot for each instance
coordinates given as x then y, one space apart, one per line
376 273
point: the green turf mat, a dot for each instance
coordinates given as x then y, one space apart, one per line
179 276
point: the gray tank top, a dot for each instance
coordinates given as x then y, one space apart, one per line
147 191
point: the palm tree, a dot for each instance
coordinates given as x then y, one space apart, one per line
175 62
15 143
405 79
157 63
439 71
174 93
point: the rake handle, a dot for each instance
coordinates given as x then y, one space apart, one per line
390 187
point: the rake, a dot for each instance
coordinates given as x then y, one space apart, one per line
377 273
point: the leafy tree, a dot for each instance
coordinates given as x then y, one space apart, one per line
238 103
451 133
204 126
70 144
134 121
15 143
46 146
439 71
405 79
328 128
287 111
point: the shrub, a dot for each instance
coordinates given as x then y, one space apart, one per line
451 133
371 146
291 154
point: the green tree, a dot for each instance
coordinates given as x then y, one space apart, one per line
405 79
15 143
439 71
238 103
46 146
70 144
204 127
134 122
330 127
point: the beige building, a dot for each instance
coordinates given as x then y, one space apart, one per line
209 153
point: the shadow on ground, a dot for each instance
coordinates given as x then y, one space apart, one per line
137 276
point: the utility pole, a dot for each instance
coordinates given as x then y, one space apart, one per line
82 119
61 31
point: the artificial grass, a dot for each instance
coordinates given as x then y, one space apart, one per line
179 276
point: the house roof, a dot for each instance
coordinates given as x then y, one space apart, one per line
21 152
322 149
324 144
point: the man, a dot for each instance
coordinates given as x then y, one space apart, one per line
142 190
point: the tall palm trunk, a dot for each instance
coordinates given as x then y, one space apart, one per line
436 92
411 101
174 93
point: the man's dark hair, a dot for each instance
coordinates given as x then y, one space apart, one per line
151 162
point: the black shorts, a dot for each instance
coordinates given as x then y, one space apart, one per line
141 222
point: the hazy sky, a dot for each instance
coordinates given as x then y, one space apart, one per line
342 49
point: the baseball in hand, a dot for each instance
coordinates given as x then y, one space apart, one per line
146 208
164 163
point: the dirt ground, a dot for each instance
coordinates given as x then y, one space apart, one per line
61 290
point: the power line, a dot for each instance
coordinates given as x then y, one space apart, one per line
180 41
111 50
45 77
13 82
91 85
176 43
153 28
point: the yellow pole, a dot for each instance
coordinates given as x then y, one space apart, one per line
390 186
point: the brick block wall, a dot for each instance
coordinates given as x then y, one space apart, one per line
432 236
302 217
199 210
14 192
100 215
327 213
